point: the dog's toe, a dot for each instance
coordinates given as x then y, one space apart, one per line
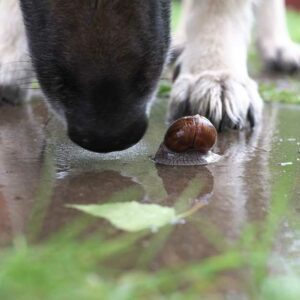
15 81
10 94
227 102
283 59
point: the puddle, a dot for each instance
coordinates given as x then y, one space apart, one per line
42 172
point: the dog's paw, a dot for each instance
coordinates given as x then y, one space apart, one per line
281 58
11 95
228 102
15 81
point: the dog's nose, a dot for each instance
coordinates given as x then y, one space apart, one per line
104 140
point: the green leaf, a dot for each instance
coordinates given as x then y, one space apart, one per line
131 216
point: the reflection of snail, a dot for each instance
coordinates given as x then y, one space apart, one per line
188 141
188 189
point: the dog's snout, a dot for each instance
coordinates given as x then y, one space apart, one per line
101 139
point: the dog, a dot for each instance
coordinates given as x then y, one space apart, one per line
61 53
98 62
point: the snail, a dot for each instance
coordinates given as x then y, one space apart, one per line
188 141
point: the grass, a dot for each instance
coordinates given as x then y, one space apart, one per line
68 267
293 25
272 93
175 14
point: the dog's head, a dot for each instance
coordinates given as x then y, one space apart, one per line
98 63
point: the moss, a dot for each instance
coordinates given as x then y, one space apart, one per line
270 92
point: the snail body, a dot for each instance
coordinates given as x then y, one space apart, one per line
188 141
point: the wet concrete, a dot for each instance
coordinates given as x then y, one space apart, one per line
42 171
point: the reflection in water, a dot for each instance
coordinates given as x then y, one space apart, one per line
86 188
40 174
5 228
21 156
239 190
190 185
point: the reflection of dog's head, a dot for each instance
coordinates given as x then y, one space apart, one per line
98 63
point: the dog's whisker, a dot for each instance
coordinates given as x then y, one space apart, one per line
24 86
25 82
20 76
16 62
13 71
16 69
24 79
30 89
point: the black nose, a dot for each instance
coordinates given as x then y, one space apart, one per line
104 140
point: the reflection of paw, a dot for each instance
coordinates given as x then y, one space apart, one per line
284 58
226 101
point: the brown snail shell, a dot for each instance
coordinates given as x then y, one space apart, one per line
191 133
188 142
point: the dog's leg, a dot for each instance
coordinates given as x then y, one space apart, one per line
273 40
211 76
15 66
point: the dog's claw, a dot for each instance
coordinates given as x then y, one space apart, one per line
225 101
251 116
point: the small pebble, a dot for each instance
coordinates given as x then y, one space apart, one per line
154 229
178 222
284 164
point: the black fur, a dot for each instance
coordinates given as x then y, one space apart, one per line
98 63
